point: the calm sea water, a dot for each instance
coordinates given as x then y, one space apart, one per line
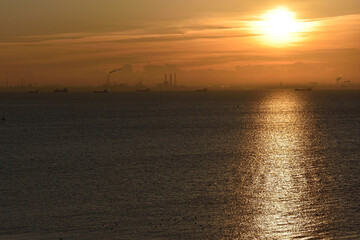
147 165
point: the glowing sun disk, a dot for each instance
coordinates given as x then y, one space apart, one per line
279 26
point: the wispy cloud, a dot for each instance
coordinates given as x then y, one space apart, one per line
219 42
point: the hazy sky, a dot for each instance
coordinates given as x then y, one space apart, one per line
79 41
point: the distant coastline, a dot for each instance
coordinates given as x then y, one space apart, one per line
109 89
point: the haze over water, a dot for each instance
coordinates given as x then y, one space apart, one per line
186 165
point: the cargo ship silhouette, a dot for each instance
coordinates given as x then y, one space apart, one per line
61 90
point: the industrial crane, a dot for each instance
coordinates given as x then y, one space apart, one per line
338 80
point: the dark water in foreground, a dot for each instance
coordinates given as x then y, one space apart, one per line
215 165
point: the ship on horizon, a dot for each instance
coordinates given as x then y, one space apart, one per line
143 90
202 90
303 89
61 90
103 91
34 91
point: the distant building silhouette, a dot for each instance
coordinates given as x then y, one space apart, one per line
166 83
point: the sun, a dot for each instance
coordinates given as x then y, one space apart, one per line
279 23
278 26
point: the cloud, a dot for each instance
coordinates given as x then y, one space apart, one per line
191 44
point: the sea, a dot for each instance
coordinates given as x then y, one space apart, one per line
252 164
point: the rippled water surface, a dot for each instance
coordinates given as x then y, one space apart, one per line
215 165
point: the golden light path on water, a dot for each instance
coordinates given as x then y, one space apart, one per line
283 182
280 185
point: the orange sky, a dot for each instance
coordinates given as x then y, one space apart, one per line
207 42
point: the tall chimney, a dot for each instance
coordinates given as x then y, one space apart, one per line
175 84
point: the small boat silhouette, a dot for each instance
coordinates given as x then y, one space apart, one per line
61 90
103 91
143 90
303 89
202 90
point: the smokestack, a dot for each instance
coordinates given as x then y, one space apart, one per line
175 84
166 83
109 76
170 80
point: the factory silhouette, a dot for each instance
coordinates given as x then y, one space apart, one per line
120 77
172 83
166 78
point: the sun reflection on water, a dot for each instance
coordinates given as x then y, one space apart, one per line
280 179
